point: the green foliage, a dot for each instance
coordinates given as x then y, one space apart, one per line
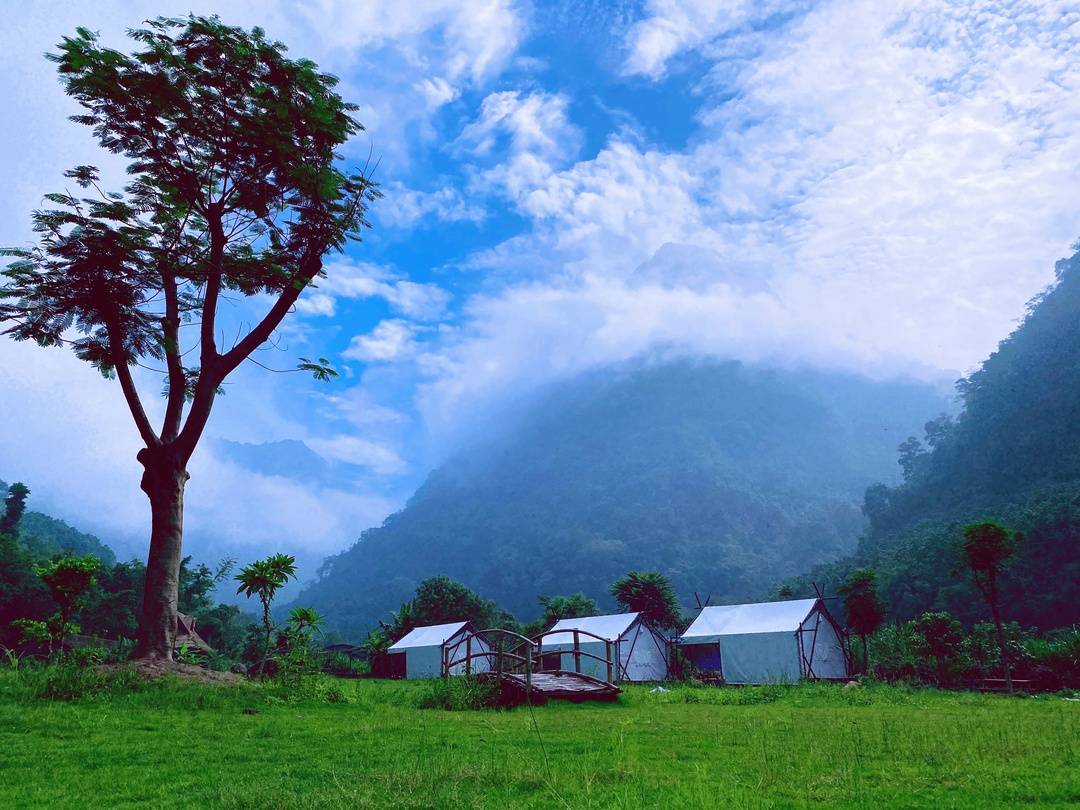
14 506
49 632
862 606
939 644
441 600
263 578
41 536
74 680
68 580
306 621
650 594
1011 458
235 189
561 607
196 587
462 693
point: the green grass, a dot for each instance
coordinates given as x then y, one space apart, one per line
180 744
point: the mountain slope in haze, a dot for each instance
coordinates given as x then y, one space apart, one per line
724 476
1012 454
44 536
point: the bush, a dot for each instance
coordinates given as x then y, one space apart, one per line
68 681
461 694
90 656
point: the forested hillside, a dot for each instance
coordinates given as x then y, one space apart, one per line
725 477
1013 454
44 536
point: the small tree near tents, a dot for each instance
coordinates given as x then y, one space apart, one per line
650 594
987 548
263 578
234 192
69 580
865 610
566 607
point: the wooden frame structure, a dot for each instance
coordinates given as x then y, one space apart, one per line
517 663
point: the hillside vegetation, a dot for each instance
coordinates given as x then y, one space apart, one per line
723 476
42 536
1013 455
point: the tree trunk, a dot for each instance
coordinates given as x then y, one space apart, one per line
163 482
865 656
1001 645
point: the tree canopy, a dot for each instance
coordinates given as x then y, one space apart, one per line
235 189
650 594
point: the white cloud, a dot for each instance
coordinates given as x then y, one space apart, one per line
403 207
390 340
361 409
671 27
475 37
879 190
351 279
362 452
527 135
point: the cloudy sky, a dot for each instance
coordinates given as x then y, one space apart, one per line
868 185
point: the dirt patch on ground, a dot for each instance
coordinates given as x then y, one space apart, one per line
153 669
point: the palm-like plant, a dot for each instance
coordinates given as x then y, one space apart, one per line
305 621
263 578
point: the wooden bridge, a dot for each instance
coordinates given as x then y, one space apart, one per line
525 673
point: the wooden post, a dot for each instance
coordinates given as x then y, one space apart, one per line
577 652
607 646
468 655
528 671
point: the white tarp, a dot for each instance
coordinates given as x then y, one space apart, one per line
424 648
768 642
765 617
637 653
434 635
609 628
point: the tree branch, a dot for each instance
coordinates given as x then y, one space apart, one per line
213 288
127 384
262 332
170 325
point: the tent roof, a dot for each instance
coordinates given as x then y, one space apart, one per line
763 617
609 628
433 635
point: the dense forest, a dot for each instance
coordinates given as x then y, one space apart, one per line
1012 454
724 476
42 536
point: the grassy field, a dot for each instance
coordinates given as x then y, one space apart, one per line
183 744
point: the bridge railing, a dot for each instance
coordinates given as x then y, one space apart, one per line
503 650
576 651
507 652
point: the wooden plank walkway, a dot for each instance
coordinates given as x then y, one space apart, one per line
560 685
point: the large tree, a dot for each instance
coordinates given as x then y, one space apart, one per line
235 191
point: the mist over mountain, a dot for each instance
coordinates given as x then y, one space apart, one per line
725 476
43 535
1012 454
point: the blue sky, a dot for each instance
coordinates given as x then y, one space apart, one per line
859 184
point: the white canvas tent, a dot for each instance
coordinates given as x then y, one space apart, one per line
638 653
425 649
767 642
